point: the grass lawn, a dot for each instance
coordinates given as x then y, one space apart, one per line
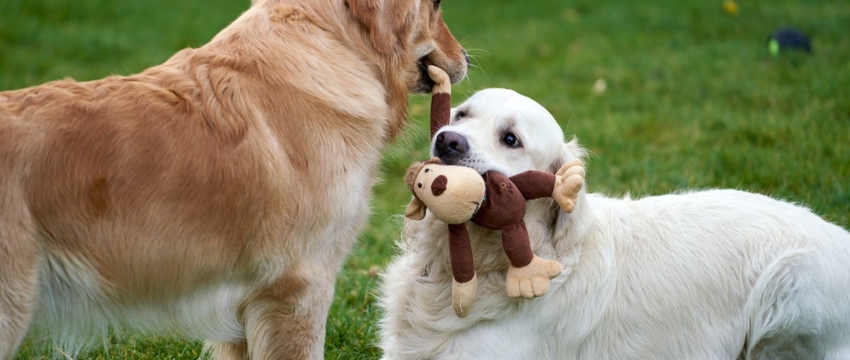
692 100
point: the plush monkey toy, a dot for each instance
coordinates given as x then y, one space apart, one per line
456 194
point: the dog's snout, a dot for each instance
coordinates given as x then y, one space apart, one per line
466 56
449 146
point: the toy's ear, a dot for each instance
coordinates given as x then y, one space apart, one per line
415 210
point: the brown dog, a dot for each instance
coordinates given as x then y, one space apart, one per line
202 197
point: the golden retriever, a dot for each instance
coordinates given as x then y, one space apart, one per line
214 196
716 274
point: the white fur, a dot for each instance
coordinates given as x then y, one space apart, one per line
77 311
717 274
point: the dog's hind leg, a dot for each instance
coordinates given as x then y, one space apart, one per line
785 310
19 264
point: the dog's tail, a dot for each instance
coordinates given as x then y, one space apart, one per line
783 309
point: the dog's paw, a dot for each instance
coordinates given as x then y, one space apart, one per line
532 280
463 296
568 182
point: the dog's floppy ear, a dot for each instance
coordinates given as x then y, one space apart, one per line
415 210
568 151
388 21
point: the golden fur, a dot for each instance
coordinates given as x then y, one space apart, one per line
214 196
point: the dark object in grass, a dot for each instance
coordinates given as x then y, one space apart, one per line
788 38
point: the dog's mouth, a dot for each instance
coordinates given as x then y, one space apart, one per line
455 69
425 82
463 161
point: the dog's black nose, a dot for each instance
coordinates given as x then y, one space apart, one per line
450 146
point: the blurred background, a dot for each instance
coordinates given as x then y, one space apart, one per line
667 95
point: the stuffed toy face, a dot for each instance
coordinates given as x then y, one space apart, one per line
453 193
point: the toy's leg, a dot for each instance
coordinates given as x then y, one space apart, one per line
516 244
528 276
465 283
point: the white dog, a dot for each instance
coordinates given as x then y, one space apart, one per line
719 274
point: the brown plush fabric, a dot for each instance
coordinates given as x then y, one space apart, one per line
504 208
517 245
412 173
534 184
441 107
503 205
461 253
438 187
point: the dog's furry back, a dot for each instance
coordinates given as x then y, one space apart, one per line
103 191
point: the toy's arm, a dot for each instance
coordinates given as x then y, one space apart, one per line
441 98
534 184
528 276
564 186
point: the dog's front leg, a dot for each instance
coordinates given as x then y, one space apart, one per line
19 277
227 351
286 320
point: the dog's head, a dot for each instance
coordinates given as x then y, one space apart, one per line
412 32
501 130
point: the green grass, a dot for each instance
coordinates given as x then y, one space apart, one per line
693 100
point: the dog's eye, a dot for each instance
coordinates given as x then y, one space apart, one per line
437 4
511 140
460 115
